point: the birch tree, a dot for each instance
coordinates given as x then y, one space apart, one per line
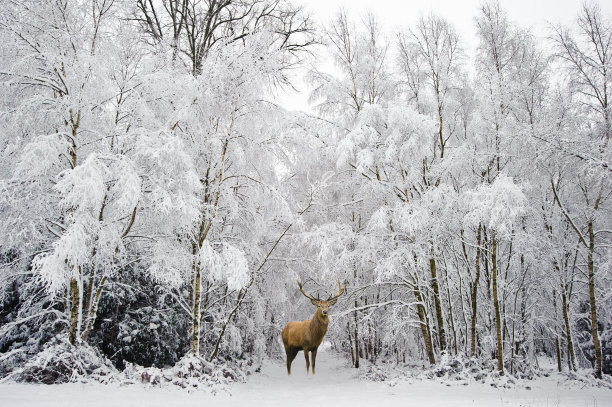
83 162
586 56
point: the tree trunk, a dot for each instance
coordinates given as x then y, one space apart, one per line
450 310
92 312
441 136
75 286
465 324
437 304
558 350
197 288
557 344
571 355
76 310
500 349
356 339
89 293
204 229
368 343
348 329
594 325
424 324
475 290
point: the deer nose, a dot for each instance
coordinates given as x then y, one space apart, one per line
324 312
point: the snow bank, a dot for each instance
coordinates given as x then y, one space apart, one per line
335 383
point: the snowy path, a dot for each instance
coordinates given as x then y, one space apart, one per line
333 385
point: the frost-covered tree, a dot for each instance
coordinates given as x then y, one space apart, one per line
79 183
582 193
359 51
232 136
158 205
360 54
193 29
130 163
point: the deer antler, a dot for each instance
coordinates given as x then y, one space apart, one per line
310 297
340 291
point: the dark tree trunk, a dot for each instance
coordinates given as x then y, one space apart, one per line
475 290
437 303
594 327
498 328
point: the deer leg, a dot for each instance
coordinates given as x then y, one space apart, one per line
291 354
307 361
313 356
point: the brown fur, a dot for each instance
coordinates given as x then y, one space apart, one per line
306 335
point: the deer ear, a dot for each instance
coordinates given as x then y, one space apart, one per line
333 302
314 302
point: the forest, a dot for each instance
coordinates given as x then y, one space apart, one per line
159 204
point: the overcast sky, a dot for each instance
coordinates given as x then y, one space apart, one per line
528 13
536 14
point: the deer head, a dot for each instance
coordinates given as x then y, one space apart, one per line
323 305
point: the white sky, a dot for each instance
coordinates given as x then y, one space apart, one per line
459 12
536 14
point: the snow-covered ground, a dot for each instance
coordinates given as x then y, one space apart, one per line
335 384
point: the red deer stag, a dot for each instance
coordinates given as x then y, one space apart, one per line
308 335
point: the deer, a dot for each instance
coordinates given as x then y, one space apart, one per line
307 335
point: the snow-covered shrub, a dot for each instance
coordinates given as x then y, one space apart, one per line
192 372
461 369
583 378
60 362
27 323
376 372
135 326
583 335
145 337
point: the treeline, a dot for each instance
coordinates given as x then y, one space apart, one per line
157 203
471 196
141 196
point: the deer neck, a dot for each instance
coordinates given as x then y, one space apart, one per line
318 323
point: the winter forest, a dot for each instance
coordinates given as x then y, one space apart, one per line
159 204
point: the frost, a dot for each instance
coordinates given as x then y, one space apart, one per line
139 158
498 205
61 362
83 188
70 252
237 267
229 265
345 152
42 157
170 176
169 262
380 219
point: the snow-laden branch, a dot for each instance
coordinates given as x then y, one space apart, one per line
567 215
378 305
20 321
12 352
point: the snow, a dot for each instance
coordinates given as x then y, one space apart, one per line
335 383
